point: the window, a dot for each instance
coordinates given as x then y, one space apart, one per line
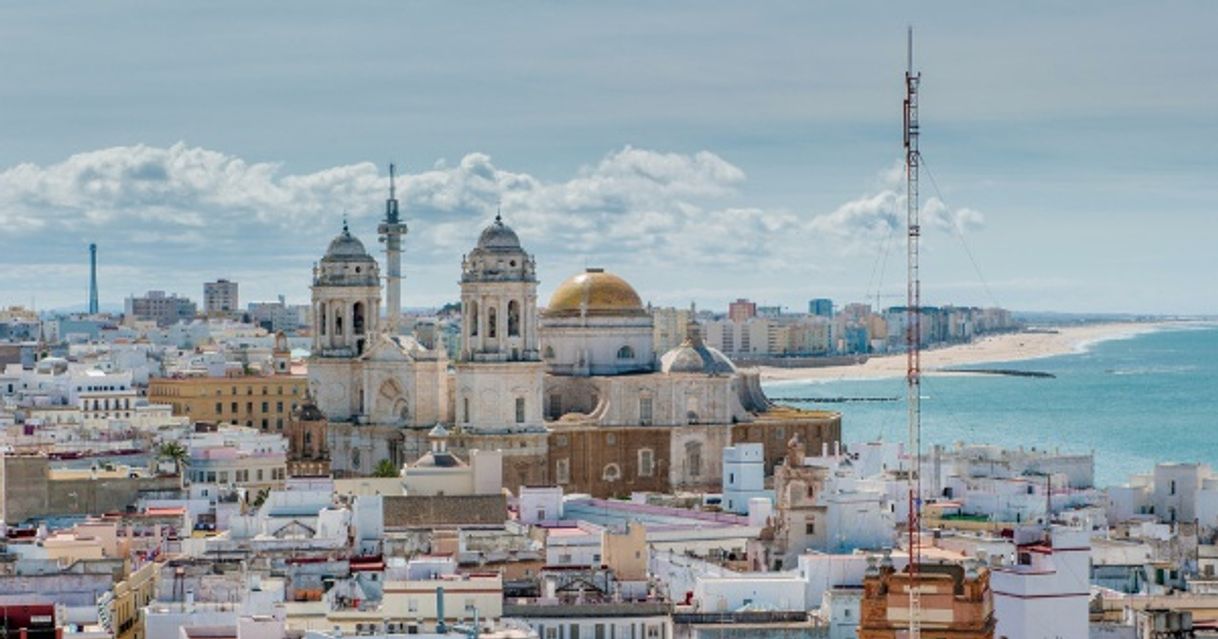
555 406
492 321
645 411
562 471
321 311
472 318
693 459
219 408
548 353
810 528
249 407
355 459
610 439
278 423
259 474
278 407
265 407
611 473
646 462
265 424
234 408
625 352
357 318
1173 486
513 318
224 477
519 410
465 409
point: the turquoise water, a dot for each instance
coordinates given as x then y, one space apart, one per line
1134 401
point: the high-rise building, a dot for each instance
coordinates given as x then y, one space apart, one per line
741 310
821 307
220 298
163 309
670 327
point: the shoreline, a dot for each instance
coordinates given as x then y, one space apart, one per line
1006 347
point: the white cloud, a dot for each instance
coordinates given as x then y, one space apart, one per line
181 210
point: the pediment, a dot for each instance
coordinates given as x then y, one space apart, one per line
389 349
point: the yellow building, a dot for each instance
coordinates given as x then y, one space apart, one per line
130 597
264 402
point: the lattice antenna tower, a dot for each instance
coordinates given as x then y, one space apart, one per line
913 338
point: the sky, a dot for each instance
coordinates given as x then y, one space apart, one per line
703 150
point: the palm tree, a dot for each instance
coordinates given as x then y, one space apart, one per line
176 452
385 468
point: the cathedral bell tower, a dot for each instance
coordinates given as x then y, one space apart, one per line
346 314
499 373
499 299
346 298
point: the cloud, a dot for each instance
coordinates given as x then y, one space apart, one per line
183 212
860 224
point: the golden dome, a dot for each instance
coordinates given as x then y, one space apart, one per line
597 292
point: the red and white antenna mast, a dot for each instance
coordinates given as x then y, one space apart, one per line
913 339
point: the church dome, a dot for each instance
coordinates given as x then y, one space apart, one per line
694 356
597 292
346 247
691 358
499 237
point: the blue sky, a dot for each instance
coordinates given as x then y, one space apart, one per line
704 150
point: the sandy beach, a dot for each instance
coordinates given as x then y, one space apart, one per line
996 348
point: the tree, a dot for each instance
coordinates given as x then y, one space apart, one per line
385 468
176 452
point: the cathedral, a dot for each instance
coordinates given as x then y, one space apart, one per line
572 393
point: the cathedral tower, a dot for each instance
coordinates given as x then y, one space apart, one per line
346 313
346 298
500 370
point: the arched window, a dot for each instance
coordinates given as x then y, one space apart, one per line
357 318
472 318
625 352
548 353
321 319
513 318
355 459
646 462
492 321
338 322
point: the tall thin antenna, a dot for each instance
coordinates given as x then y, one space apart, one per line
913 339
93 279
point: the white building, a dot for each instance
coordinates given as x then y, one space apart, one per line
1174 493
1044 592
234 457
743 476
439 472
540 503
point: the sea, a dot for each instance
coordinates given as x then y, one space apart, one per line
1133 400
